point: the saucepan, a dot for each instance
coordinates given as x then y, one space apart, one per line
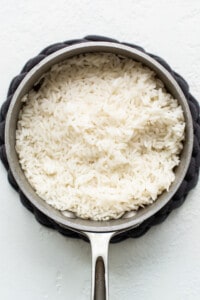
99 233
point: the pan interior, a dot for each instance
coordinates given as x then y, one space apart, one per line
33 76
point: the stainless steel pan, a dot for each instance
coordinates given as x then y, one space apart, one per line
99 233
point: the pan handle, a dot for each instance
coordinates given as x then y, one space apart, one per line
99 246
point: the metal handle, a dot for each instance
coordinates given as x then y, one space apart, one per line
99 246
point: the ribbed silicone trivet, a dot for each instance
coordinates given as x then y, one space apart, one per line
187 184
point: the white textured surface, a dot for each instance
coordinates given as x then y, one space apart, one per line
37 263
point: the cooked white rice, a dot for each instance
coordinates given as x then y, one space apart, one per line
101 136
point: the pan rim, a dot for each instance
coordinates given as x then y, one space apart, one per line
81 225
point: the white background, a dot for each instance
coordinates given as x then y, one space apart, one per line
37 263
